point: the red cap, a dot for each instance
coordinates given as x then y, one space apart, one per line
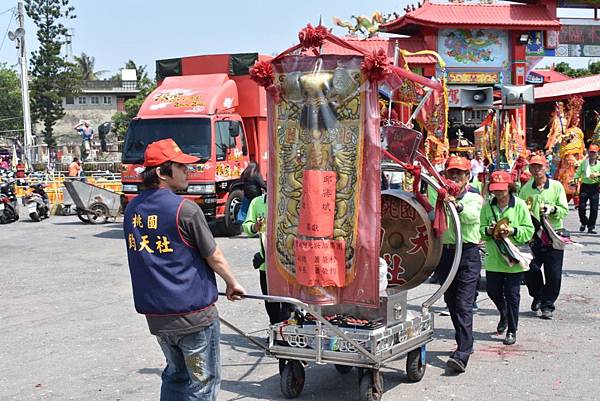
525 176
499 180
458 163
593 148
166 150
537 159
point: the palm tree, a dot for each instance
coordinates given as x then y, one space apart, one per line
142 74
85 66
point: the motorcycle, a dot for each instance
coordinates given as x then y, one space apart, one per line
37 203
9 209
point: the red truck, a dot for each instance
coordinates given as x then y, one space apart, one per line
213 110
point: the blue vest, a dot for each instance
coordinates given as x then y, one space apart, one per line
167 274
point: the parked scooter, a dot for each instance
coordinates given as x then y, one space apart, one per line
9 209
37 203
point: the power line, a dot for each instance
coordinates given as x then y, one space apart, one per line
7 28
5 11
11 118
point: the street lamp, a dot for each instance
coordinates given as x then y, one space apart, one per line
18 36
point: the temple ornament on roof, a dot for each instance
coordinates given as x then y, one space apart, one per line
364 25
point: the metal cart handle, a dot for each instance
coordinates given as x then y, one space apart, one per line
316 314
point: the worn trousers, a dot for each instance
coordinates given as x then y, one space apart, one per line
277 311
193 371
504 289
546 293
460 296
588 192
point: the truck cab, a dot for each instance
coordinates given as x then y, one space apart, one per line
203 113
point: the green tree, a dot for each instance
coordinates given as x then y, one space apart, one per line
121 119
143 79
85 67
11 110
53 78
146 85
565 68
594 68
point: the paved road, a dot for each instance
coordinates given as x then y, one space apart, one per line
69 331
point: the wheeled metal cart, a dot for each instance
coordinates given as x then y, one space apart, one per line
92 204
397 333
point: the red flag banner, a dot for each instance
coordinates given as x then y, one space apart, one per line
320 263
317 208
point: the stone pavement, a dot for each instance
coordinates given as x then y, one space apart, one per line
69 330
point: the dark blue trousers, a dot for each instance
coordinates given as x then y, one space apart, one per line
552 261
588 192
504 291
460 296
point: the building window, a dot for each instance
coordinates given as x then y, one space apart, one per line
94 100
82 100
107 100
69 100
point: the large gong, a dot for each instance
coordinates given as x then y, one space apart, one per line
408 244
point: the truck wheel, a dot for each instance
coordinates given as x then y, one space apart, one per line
234 202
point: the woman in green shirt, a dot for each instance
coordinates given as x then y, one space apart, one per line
503 278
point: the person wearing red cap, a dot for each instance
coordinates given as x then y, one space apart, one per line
589 175
461 294
173 259
546 197
504 216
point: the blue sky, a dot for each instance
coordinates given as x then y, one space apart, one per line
115 31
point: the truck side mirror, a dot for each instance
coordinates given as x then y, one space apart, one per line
234 129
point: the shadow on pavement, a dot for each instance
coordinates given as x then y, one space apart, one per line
71 223
150 371
111 234
582 272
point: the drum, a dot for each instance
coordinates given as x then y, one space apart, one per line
408 243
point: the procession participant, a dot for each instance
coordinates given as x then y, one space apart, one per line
255 224
589 175
547 197
504 216
461 294
173 259
477 164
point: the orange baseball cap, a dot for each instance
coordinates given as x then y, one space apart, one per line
458 163
593 148
166 150
499 180
537 159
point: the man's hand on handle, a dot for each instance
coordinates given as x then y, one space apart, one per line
234 291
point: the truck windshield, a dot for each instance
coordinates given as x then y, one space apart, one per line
191 134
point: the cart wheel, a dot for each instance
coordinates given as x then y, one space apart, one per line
416 364
343 369
98 213
81 215
282 363
292 379
368 391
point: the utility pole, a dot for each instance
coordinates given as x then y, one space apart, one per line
19 37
